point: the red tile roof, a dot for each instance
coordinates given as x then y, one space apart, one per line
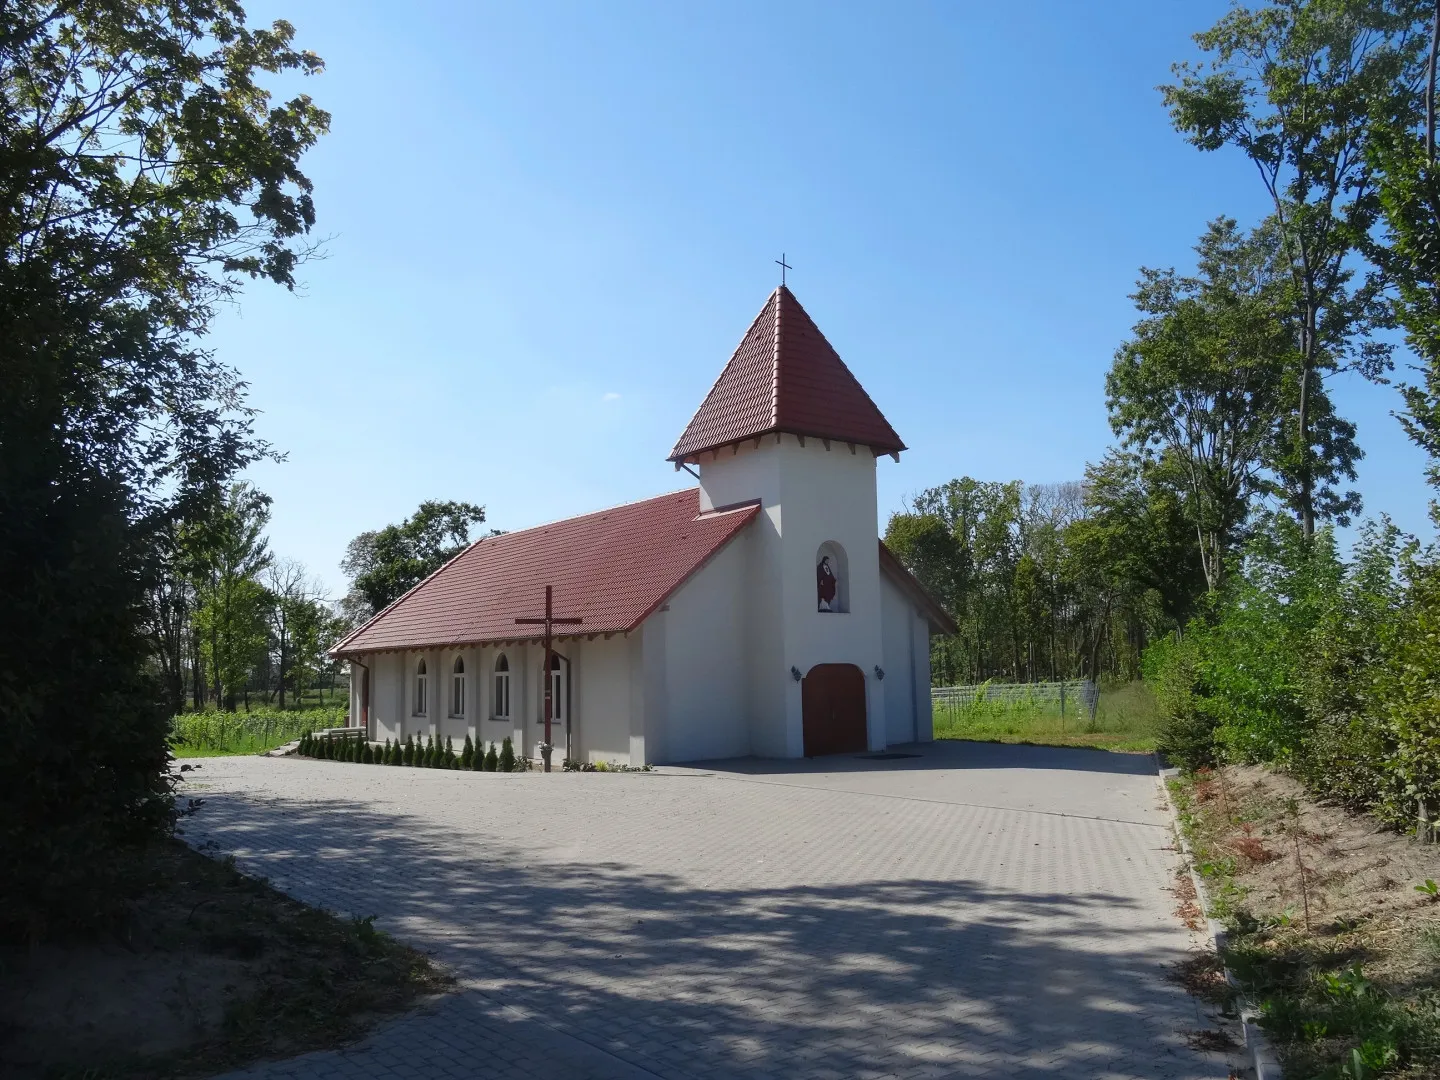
786 377
611 568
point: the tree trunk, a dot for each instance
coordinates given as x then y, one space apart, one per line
283 664
1307 479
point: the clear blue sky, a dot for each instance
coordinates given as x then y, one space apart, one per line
549 224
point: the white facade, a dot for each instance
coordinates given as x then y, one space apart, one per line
711 673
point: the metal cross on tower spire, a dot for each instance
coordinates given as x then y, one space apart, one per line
783 267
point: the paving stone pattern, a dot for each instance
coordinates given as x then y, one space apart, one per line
976 911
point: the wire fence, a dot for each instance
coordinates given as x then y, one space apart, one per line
1075 697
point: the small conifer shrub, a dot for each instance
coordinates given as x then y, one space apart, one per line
492 759
507 755
449 752
367 756
467 754
407 756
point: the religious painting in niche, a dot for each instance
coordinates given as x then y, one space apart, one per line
831 591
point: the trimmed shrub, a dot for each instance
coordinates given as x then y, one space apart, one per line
368 755
449 752
407 756
467 754
492 759
507 755
427 752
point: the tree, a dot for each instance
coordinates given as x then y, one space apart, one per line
1130 555
1202 383
384 564
234 605
1409 187
144 176
1294 86
296 620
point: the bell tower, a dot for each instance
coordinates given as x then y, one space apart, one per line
788 425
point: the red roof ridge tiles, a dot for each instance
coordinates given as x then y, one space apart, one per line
613 568
784 376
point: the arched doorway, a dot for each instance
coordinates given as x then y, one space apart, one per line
832 708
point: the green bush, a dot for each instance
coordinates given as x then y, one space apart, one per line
427 754
492 759
1328 668
450 761
408 755
368 755
467 754
214 731
1187 727
507 755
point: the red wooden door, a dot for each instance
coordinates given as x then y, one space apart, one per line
832 708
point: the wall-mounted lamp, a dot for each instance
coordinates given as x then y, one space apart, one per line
795 673
879 672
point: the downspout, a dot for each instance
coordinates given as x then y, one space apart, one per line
914 683
568 704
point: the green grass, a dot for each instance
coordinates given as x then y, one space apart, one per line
1125 719
216 734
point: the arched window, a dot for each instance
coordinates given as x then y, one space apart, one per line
557 688
502 688
457 687
832 578
420 688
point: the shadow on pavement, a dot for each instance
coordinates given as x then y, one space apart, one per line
888 977
944 754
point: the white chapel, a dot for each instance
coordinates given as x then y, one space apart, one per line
756 614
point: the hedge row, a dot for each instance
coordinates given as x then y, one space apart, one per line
427 755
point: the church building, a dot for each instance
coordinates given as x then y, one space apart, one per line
755 614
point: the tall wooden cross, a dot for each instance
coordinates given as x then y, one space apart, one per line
549 621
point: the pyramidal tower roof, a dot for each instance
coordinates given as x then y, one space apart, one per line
785 377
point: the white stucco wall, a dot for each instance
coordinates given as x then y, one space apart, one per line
601 696
906 637
707 662
810 495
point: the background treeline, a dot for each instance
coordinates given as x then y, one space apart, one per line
1052 581
228 620
1203 544
233 627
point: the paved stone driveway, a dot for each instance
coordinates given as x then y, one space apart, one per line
976 911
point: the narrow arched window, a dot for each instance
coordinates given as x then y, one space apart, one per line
502 688
457 688
420 688
557 688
